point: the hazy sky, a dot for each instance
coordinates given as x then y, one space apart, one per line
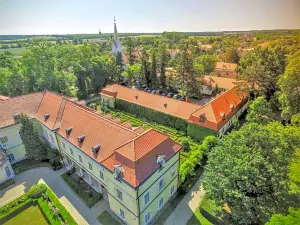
88 16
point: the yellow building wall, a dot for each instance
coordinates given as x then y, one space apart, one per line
49 136
14 145
108 101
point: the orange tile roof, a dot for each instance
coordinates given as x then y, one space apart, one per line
141 151
26 104
214 110
156 102
226 66
222 82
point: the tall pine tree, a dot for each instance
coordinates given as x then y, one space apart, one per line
162 68
153 75
145 67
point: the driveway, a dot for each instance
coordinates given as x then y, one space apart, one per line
77 208
188 205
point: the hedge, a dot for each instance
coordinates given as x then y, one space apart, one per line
152 115
48 213
199 133
6 183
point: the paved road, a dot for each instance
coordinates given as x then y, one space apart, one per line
187 205
80 212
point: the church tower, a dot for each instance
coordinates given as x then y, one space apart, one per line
116 47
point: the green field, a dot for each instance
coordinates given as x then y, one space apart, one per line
15 51
30 216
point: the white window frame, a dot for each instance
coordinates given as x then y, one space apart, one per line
71 151
173 186
147 193
119 190
80 158
90 166
160 189
163 202
148 214
122 212
63 145
11 157
2 138
101 173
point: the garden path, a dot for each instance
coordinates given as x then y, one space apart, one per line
77 208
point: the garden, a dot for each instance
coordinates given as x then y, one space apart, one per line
83 190
38 206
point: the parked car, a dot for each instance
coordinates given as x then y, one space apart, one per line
170 95
182 98
177 96
146 89
149 90
163 94
153 92
159 92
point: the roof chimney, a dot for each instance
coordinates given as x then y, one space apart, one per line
222 114
17 118
136 97
165 105
68 131
96 148
46 116
81 139
231 107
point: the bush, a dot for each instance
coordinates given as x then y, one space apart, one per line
199 133
186 146
37 191
152 115
14 205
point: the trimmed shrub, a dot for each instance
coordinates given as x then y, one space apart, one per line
152 115
6 183
199 133
37 191
186 146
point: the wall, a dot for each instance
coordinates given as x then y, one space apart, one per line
108 101
151 185
14 145
49 136
3 175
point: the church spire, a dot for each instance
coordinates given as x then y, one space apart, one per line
117 47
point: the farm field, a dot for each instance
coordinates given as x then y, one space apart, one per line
15 51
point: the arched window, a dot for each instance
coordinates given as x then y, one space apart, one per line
7 171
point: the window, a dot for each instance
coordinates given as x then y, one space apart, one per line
101 175
160 184
80 158
172 190
11 157
63 145
119 194
173 173
160 202
146 198
71 150
147 217
90 166
7 171
52 140
122 214
4 140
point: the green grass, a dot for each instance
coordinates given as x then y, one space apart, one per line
30 216
15 51
106 218
28 164
89 200
206 218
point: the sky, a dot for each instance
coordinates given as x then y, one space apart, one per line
145 16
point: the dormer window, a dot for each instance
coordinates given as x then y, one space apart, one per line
222 114
202 118
46 116
96 148
68 131
118 170
160 160
231 107
80 139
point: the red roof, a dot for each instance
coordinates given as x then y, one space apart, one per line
139 152
222 82
162 104
26 104
226 66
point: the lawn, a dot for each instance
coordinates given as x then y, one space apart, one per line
207 213
82 189
30 216
106 218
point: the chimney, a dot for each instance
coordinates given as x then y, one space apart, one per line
165 105
136 97
96 148
46 116
17 118
80 139
68 131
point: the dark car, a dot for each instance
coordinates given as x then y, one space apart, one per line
163 94
149 90
177 96
182 98
153 92
159 92
170 95
146 89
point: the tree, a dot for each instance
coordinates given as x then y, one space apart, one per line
292 218
163 63
153 74
206 62
232 56
289 84
209 143
132 72
186 75
186 146
248 170
5 74
35 149
129 43
145 67
260 111
187 168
